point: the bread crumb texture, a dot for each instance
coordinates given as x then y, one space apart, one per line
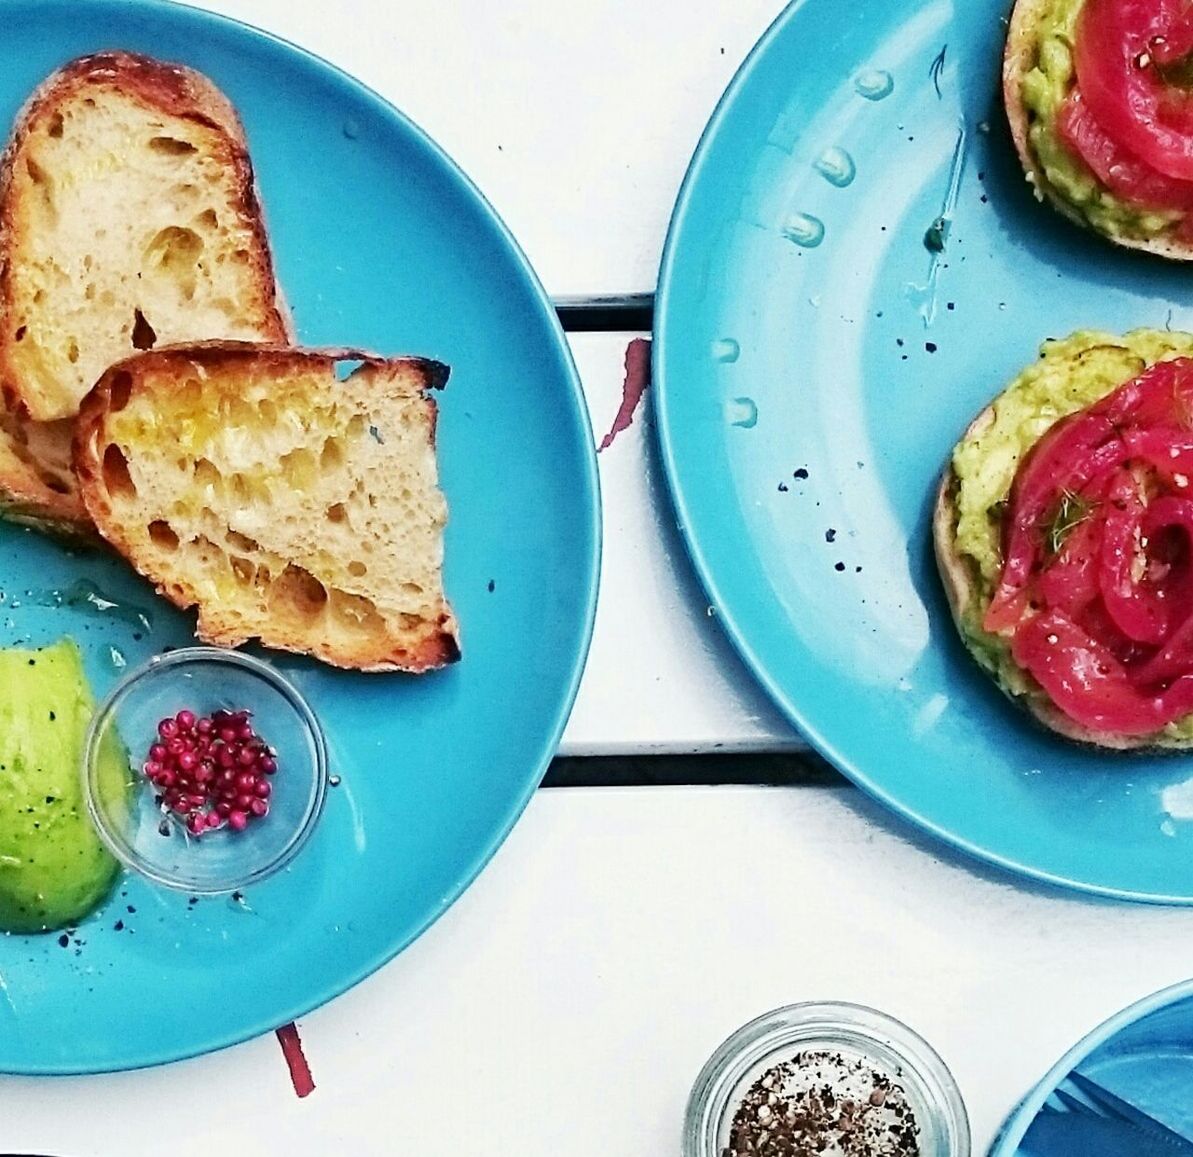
291 500
127 227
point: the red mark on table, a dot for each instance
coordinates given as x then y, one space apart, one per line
637 378
296 1061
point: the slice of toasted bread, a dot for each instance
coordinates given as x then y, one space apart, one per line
291 501
128 218
969 592
1019 58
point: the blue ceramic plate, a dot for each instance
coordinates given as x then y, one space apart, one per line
1142 1055
381 242
815 363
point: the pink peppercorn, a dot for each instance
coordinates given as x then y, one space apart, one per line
211 769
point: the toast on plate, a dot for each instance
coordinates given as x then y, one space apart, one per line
129 218
290 495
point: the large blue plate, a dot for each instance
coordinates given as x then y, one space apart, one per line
381 242
776 356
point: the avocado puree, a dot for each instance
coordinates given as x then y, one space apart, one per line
1072 373
1045 88
53 868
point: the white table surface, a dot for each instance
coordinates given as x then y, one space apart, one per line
661 676
564 1004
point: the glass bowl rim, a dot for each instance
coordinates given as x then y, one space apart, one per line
857 1024
156 665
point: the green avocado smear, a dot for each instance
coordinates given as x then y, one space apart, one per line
1071 374
1045 88
53 868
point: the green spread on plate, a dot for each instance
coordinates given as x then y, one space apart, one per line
53 868
1071 374
1045 88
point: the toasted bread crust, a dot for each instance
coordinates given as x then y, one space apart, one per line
175 91
438 644
28 495
1019 59
962 593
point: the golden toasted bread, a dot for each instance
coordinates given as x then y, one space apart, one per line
128 218
289 500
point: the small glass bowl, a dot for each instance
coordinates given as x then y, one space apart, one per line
157 845
855 1032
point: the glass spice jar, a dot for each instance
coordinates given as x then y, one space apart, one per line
837 1079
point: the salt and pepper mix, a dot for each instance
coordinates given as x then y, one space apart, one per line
824 1103
825 1079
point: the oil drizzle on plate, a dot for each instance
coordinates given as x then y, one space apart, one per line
937 235
742 412
804 230
874 84
726 350
836 166
86 596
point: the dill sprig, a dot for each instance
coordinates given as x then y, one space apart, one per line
1071 512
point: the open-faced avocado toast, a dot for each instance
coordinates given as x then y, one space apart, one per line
1099 95
1064 534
